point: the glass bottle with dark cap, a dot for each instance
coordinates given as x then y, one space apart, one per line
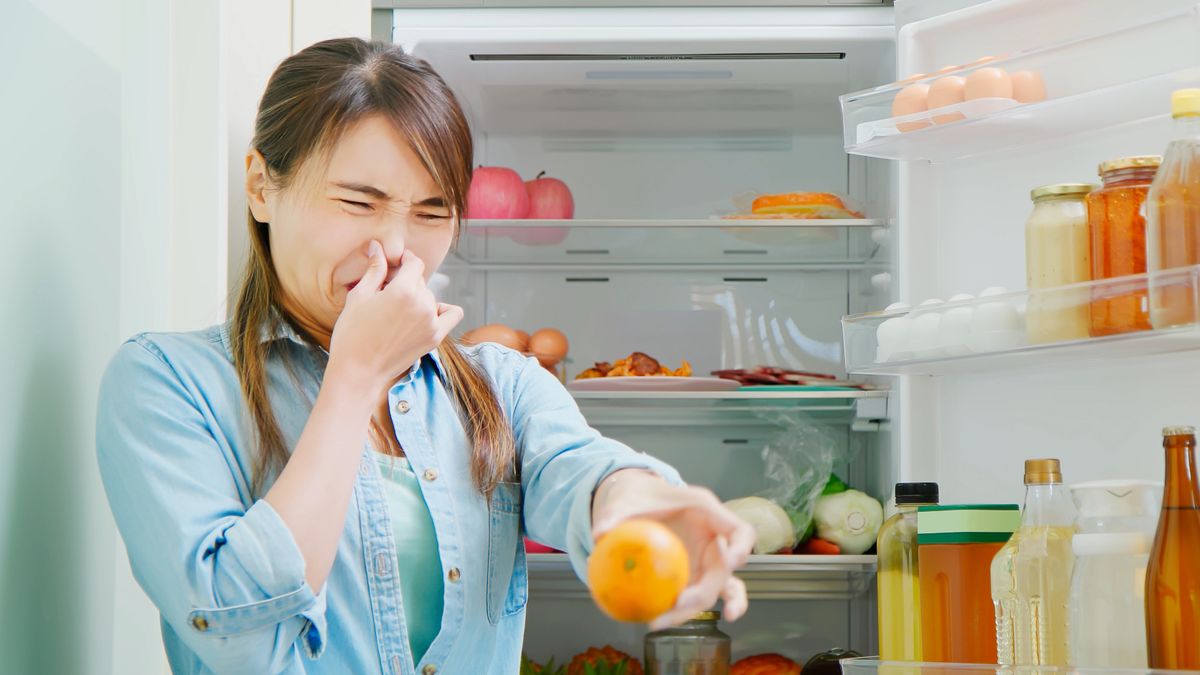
1173 577
1031 575
898 584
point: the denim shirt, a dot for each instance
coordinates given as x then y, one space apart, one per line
175 445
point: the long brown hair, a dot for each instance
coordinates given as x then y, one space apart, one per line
310 100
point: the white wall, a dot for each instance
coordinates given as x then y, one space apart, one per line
125 124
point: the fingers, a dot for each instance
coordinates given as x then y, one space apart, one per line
739 534
734 598
411 272
447 318
376 272
702 594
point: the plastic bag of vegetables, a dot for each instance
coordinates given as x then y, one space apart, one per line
798 460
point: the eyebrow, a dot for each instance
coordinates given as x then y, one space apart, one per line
372 191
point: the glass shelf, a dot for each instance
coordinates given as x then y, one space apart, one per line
875 666
767 577
1122 82
863 409
711 241
1028 328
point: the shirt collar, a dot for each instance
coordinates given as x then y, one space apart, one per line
283 331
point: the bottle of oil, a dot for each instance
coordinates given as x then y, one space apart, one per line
898 583
1173 218
1173 577
1031 575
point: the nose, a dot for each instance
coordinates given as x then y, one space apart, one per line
392 238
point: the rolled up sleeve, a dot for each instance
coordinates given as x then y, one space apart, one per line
228 579
562 461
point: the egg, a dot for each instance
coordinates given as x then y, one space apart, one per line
911 99
548 345
523 337
989 83
493 332
995 325
1028 86
943 92
956 326
925 340
911 78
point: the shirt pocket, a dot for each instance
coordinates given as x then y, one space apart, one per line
507 577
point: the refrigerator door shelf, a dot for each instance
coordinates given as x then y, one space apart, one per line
767 577
874 666
1090 83
1039 328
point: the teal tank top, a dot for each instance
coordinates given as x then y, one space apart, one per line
418 561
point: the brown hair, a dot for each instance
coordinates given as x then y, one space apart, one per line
310 101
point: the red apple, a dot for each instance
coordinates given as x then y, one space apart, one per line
497 192
532 546
549 199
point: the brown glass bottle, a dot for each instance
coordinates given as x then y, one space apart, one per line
1173 576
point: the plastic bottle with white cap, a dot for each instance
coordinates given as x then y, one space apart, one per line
1115 530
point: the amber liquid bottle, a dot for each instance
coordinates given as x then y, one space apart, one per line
1173 577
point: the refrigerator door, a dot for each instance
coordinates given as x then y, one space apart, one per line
963 197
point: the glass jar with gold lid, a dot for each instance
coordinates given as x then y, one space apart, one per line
1117 230
1057 253
697 647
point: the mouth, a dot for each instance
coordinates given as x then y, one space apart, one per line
350 286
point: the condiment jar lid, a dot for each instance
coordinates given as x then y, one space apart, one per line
1043 472
1130 162
1179 431
1185 102
967 523
710 615
1061 190
916 493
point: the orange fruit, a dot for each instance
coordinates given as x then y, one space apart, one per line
637 570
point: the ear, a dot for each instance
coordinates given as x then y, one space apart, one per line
256 186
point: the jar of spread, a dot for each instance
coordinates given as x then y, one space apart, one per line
697 647
1057 254
1117 225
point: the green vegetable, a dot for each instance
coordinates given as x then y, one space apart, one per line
850 519
832 486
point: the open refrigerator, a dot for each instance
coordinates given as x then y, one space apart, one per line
659 118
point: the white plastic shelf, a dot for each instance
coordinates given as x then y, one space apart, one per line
1046 327
739 408
1092 84
704 241
767 577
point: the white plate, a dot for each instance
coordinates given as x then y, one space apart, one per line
653 383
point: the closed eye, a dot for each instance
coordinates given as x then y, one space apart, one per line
357 205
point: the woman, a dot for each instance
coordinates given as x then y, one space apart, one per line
329 483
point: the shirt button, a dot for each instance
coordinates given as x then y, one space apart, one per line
402 407
429 669
454 575
431 474
199 623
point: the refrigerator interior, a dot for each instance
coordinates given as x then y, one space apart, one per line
657 119
961 229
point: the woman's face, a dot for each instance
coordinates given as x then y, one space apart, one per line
375 187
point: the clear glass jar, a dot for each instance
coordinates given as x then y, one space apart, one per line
1117 224
697 647
1058 253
